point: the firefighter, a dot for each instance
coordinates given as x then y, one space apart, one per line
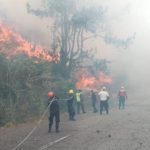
70 105
104 97
122 96
94 101
54 111
79 99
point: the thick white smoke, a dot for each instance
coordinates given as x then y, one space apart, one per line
124 18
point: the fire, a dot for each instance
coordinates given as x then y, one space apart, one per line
12 44
105 79
93 82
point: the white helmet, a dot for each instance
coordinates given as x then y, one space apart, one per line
104 88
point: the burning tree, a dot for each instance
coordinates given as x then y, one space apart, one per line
13 44
24 77
93 76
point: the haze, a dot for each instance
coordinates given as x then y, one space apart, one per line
124 18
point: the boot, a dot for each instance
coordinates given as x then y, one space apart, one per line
57 127
50 128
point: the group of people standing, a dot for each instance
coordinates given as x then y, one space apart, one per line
72 98
104 97
54 110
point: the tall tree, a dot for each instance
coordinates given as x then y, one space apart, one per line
71 26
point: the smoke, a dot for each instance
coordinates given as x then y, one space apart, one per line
124 18
30 26
117 42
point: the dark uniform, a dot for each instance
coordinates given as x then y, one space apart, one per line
94 100
122 96
70 105
54 113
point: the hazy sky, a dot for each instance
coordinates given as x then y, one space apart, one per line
124 18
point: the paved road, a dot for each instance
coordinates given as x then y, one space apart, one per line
121 130
127 129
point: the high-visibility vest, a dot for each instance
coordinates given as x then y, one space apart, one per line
78 97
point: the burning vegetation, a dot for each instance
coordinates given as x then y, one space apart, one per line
26 82
13 44
92 82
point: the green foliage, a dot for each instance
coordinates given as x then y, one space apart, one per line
100 65
61 88
23 88
59 70
88 18
117 42
53 8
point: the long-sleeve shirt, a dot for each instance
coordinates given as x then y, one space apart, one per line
93 97
70 99
122 93
103 95
54 105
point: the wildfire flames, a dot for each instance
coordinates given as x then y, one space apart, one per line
93 82
12 44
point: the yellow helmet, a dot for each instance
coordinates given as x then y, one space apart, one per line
71 91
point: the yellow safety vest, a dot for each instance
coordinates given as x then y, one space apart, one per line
78 97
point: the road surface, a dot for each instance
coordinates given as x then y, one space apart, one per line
127 129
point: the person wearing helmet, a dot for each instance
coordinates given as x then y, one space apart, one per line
104 97
79 100
122 96
53 111
70 105
71 91
50 94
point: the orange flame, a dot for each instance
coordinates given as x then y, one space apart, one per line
93 82
12 44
